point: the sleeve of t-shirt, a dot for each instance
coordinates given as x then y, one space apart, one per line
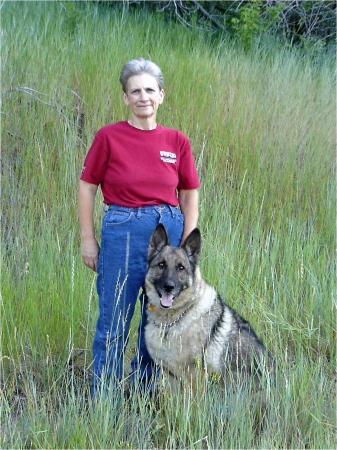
188 176
95 163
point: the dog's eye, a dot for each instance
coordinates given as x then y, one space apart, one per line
161 265
180 268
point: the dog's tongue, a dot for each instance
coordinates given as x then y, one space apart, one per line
166 300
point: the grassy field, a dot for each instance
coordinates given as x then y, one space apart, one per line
262 127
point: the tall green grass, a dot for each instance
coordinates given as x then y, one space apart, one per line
262 127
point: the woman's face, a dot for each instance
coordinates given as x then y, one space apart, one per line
143 96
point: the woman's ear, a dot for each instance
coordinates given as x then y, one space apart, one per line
162 95
125 99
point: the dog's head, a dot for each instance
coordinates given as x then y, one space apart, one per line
171 270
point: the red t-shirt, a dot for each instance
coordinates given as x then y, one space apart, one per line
137 167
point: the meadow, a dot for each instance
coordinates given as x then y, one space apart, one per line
262 127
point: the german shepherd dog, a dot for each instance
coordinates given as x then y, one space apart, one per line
189 325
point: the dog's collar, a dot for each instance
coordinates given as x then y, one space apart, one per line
169 325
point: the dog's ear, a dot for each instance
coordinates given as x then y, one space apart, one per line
192 245
158 241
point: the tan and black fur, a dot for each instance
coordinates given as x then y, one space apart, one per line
189 325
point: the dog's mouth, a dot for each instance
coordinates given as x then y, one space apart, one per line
166 300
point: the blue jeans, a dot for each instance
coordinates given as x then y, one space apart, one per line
122 263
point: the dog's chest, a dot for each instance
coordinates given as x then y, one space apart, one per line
177 345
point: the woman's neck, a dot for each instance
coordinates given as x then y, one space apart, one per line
143 124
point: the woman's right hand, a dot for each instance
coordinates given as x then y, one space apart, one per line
90 251
90 247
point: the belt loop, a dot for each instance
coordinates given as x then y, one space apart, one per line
172 209
139 213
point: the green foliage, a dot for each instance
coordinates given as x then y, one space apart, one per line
262 127
296 23
248 23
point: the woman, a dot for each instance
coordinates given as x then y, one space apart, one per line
145 172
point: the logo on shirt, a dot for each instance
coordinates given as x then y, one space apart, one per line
168 157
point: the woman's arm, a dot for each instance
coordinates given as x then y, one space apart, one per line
86 202
188 201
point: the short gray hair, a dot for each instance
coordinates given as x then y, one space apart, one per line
138 66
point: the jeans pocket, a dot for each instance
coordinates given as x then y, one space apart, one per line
180 216
113 218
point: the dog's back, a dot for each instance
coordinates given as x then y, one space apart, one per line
243 353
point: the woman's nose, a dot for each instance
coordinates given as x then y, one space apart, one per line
143 95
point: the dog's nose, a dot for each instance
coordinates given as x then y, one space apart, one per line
168 287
